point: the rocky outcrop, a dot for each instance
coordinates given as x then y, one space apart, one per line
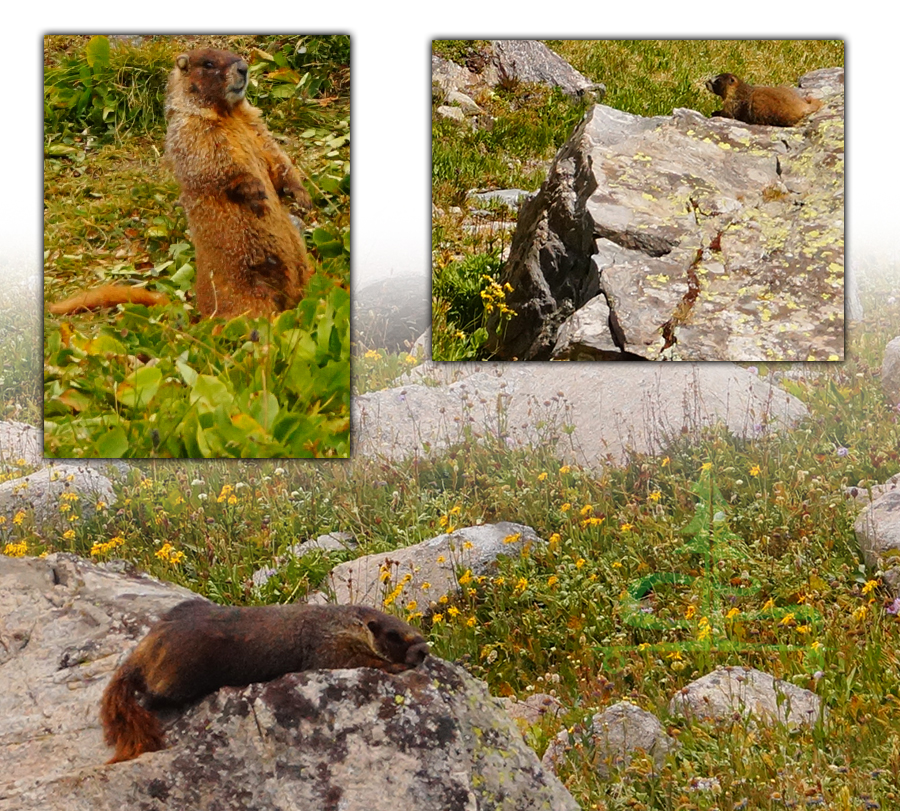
684 238
510 60
356 740
592 415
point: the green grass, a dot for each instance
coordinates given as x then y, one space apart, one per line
110 215
644 77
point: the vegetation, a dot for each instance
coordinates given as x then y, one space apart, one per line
529 124
160 382
719 552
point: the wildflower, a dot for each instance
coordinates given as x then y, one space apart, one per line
554 539
426 585
564 469
436 618
441 559
754 471
859 614
372 355
626 527
706 466
102 547
412 605
15 550
656 495
227 490
691 610
869 586
565 507
769 604
542 477
19 517
471 622
552 580
665 461
453 611
465 577
586 510
788 619
516 536
69 535
593 521
579 563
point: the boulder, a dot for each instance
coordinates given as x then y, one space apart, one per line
426 571
614 735
356 740
878 533
706 239
747 693
592 415
890 372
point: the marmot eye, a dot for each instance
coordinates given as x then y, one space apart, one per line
208 65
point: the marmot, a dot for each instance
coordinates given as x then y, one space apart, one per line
249 256
198 647
755 104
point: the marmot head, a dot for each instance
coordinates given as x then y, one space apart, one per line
212 78
396 641
723 84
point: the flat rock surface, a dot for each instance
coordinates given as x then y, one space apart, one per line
708 239
592 414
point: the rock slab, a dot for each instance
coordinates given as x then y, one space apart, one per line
707 239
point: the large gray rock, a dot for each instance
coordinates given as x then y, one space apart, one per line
20 443
591 414
357 740
527 60
707 239
614 735
426 571
878 533
751 694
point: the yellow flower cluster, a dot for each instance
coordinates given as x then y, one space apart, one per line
494 298
397 590
227 494
168 553
102 547
15 550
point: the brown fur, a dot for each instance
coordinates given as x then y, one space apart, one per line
198 647
250 257
107 295
756 104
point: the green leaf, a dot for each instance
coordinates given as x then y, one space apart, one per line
112 445
140 387
96 53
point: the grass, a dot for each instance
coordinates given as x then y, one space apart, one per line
110 215
529 124
757 534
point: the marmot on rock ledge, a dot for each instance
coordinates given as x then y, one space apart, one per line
756 104
198 647
250 259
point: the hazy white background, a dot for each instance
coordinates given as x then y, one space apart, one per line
391 84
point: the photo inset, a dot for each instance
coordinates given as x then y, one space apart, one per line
196 246
673 200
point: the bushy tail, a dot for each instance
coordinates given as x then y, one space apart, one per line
107 295
128 726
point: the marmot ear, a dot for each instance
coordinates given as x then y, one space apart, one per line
182 61
374 626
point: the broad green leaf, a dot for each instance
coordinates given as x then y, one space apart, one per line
139 388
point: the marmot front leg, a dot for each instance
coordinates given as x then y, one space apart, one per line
248 190
287 180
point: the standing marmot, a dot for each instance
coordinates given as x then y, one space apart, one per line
250 257
756 104
198 647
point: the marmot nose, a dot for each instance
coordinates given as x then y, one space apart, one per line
242 68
